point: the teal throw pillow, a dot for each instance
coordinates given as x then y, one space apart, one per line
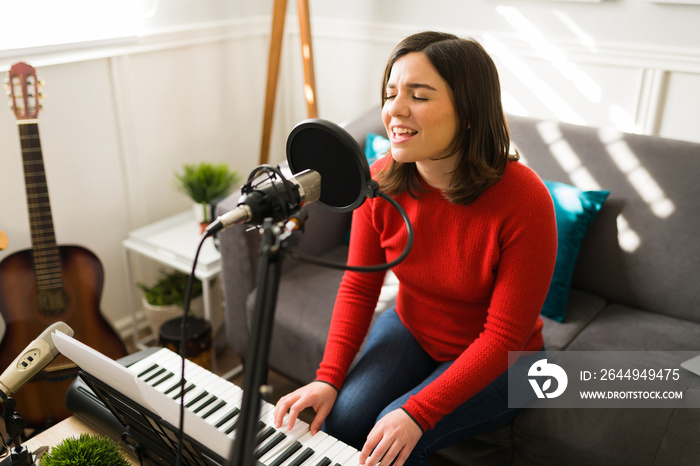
376 147
575 210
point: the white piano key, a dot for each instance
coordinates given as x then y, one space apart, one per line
304 440
299 429
308 441
353 461
333 452
345 454
321 448
142 364
264 410
231 402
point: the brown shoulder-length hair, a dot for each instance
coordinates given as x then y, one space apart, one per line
482 141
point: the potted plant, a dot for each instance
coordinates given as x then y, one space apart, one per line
87 450
203 183
165 300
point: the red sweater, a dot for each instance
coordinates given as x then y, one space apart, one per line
470 290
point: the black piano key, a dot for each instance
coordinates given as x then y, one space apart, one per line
217 407
211 399
286 454
163 379
303 456
324 462
197 399
231 428
276 440
182 392
154 375
231 414
264 435
146 371
178 384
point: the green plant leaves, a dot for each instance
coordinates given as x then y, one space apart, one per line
87 450
205 181
170 289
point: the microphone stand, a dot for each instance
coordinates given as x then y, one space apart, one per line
274 242
14 423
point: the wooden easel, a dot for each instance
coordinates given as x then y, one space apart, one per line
279 13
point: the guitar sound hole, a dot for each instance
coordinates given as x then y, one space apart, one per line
52 303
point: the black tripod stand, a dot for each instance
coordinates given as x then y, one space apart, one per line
274 244
14 424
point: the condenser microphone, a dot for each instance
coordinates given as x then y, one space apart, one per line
33 359
274 199
325 147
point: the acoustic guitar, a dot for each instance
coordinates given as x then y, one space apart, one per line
47 283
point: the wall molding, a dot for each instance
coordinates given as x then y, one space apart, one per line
674 59
151 41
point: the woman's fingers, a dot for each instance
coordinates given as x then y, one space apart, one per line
317 395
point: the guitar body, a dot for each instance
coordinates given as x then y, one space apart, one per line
28 311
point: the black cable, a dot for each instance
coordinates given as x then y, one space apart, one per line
365 268
183 348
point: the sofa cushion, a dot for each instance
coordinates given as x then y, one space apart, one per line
623 328
587 436
494 448
679 445
302 317
581 310
575 210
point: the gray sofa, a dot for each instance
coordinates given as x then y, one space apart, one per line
633 289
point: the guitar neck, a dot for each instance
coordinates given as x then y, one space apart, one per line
47 262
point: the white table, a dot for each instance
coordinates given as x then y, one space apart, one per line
173 242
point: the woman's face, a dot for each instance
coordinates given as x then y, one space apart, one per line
418 114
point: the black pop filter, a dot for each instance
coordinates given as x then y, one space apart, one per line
327 148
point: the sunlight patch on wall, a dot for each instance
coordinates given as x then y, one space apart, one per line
546 50
584 38
512 106
623 120
533 82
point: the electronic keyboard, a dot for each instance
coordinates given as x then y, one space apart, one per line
212 399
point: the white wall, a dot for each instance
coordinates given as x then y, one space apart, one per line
120 118
633 64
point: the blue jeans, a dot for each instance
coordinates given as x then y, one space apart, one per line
392 368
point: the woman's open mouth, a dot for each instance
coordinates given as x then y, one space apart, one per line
401 133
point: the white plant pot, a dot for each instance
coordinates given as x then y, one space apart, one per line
202 212
158 315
